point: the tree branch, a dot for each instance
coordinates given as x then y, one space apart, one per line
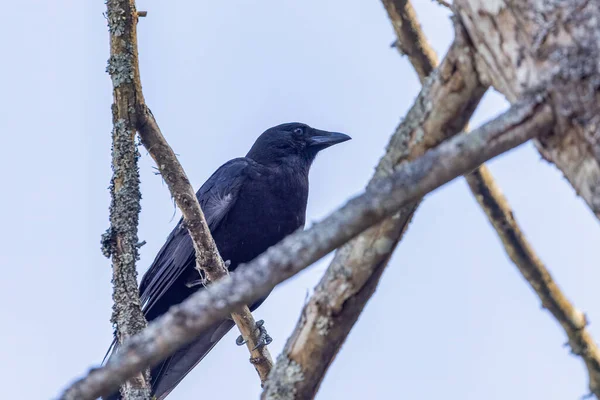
535 272
447 101
208 261
383 198
411 40
444 3
120 241
499 213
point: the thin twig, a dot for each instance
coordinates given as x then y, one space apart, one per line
410 182
410 39
120 241
444 3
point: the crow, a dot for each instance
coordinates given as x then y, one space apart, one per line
250 203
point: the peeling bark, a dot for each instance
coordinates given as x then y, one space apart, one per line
551 45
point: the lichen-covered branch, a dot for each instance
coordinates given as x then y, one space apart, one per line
443 108
120 242
411 181
124 70
534 271
523 46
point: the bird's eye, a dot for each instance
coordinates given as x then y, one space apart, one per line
298 130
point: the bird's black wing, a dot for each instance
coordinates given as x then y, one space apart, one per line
217 196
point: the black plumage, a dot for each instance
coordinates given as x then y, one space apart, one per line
250 203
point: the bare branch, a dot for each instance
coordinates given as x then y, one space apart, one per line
443 108
383 198
534 271
207 255
410 38
444 3
208 260
120 241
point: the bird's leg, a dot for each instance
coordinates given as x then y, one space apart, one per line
263 337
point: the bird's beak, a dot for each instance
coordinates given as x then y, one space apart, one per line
324 139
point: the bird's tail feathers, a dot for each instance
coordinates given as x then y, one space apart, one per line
167 375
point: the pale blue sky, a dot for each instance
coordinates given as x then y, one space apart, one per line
452 317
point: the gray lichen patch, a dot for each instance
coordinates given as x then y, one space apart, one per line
125 184
323 324
107 242
116 17
121 239
131 392
287 373
120 68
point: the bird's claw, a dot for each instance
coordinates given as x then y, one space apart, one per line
240 341
263 337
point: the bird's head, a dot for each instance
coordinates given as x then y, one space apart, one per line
292 142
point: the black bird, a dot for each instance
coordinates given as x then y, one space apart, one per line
250 203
